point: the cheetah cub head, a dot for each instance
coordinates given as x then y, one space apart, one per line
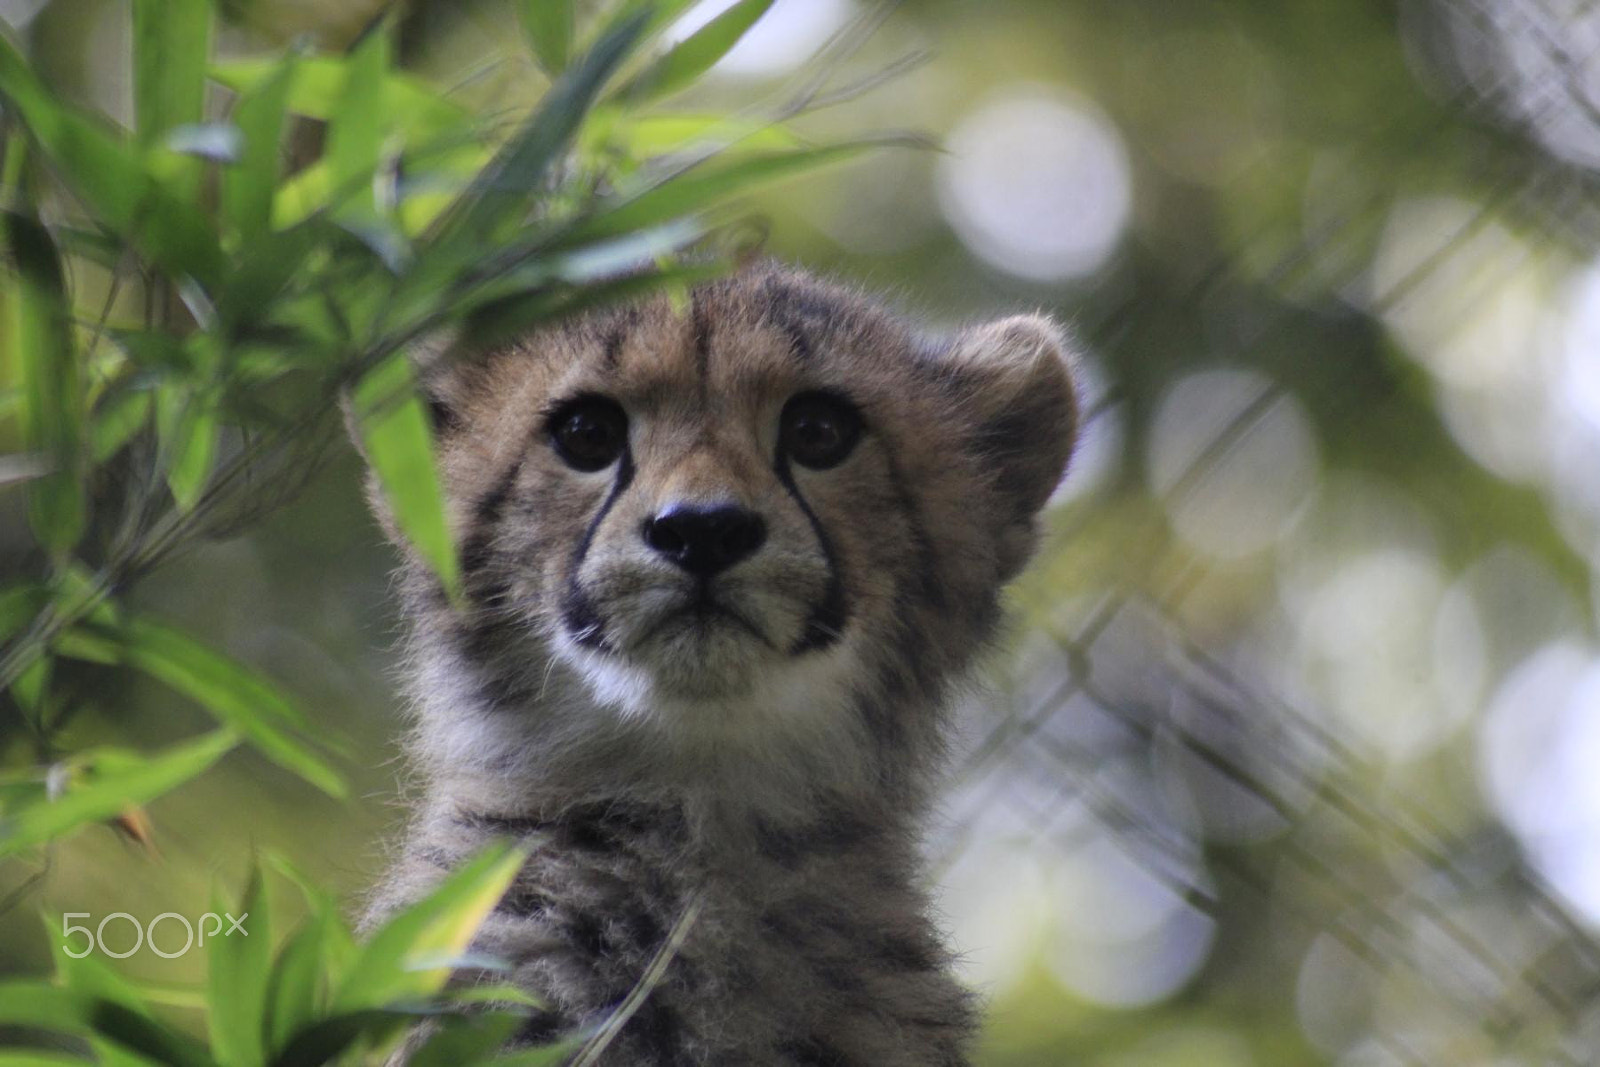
774 505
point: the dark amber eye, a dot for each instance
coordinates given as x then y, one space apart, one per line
818 430
589 433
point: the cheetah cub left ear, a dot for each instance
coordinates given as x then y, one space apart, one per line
1015 379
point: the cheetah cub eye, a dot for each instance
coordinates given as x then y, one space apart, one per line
589 433
819 430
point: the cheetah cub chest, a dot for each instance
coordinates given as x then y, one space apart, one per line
722 564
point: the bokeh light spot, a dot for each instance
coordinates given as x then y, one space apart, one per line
1037 185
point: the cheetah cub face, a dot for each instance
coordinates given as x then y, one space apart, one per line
749 510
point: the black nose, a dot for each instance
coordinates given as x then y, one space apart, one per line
705 540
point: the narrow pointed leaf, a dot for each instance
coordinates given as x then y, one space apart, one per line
171 40
357 130
516 173
548 25
111 177
296 983
236 695
467 1039
247 187
237 968
686 61
119 1034
116 420
397 961
318 85
398 442
705 185
39 318
188 430
135 781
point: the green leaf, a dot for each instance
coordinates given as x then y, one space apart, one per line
171 40
398 442
297 982
703 185
327 1039
686 61
188 429
359 126
119 1035
647 136
248 186
20 605
548 25
466 1039
39 1059
112 178
517 171
237 968
398 961
515 315
130 782
236 695
116 419
318 86
39 316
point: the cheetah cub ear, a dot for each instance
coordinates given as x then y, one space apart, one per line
1017 383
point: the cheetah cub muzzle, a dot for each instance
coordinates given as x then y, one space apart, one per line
723 565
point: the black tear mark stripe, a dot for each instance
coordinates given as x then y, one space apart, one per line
827 620
578 613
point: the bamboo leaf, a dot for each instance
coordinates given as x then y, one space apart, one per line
704 185
296 982
116 420
237 968
236 695
188 429
548 25
327 1039
248 186
119 1035
101 795
357 130
521 164
398 961
686 61
467 1039
171 40
398 441
111 178
41 335
318 84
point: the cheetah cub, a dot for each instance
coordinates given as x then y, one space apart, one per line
723 564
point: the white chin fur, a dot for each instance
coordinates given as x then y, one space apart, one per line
735 687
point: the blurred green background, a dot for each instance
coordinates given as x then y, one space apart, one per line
1292 756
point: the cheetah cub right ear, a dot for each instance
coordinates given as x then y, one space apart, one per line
1015 379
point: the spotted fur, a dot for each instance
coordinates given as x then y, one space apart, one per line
773 758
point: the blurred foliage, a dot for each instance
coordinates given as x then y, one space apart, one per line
1290 758
186 303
